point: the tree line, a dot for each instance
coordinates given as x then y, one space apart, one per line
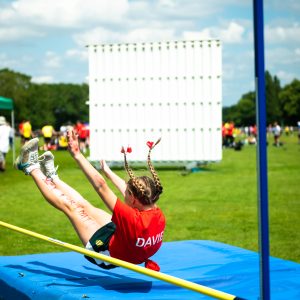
61 103
42 104
283 104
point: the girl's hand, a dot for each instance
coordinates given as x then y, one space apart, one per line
104 167
73 145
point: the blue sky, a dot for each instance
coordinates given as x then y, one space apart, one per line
46 39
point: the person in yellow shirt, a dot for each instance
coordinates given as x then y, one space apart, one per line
48 132
26 131
287 130
62 142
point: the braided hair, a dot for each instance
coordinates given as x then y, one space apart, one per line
157 183
144 188
133 180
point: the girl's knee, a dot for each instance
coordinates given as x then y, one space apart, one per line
70 204
76 208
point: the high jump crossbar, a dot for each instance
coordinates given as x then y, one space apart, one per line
161 276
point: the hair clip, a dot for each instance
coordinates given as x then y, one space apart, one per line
128 150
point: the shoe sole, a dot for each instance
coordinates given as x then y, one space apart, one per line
29 144
17 162
46 154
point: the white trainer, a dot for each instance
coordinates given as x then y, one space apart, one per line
46 161
27 161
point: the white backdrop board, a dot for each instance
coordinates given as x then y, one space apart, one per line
142 91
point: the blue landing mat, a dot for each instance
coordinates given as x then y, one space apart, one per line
223 267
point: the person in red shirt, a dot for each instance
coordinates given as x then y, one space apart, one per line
83 133
21 131
134 231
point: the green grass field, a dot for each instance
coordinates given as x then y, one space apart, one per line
218 203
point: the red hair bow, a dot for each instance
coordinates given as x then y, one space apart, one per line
150 144
128 150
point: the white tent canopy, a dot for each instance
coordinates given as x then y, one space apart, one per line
8 104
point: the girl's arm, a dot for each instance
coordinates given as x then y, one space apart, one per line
118 182
97 181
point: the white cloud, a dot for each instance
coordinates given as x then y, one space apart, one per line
6 62
234 33
284 62
285 76
281 56
142 20
52 60
8 34
22 19
66 13
183 15
147 34
170 9
229 73
237 66
191 8
42 79
101 35
280 34
167 3
283 6
205 34
97 36
77 54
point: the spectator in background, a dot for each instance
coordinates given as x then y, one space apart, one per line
269 130
62 138
276 134
83 132
62 142
223 134
4 142
27 131
11 135
228 132
64 128
254 131
287 130
47 132
252 140
21 132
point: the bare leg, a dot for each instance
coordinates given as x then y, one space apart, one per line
99 215
79 211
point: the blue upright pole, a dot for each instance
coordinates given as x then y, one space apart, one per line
261 150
